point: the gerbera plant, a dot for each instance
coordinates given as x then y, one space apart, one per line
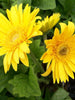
15 33
33 60
60 54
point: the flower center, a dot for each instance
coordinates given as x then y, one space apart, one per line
63 50
15 37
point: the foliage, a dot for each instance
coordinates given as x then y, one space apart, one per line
58 95
44 4
25 85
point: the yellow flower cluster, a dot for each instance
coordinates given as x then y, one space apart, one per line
15 33
20 26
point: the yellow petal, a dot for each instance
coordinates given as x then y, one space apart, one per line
71 27
37 17
47 58
48 65
43 56
2 38
20 13
2 51
5 63
71 65
35 33
68 30
14 15
48 71
63 26
47 42
53 64
30 27
24 47
25 60
57 72
62 72
65 34
68 70
54 76
26 15
16 56
56 32
34 13
14 65
9 57
21 54
53 70
8 14
4 24
72 58
29 41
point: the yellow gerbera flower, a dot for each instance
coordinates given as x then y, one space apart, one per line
15 34
60 54
49 23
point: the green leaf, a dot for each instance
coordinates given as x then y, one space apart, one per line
27 2
14 2
68 98
5 4
69 8
31 98
3 79
60 94
25 85
44 4
68 5
2 11
24 2
1 61
73 11
3 98
36 52
37 49
45 13
22 68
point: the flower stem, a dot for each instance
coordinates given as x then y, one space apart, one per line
35 60
44 37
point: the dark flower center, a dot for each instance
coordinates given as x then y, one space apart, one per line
63 50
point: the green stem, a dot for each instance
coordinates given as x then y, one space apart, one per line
35 60
44 37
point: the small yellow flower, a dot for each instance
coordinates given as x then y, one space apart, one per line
49 23
60 54
15 34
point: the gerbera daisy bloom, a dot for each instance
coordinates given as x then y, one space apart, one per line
49 23
15 33
60 54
